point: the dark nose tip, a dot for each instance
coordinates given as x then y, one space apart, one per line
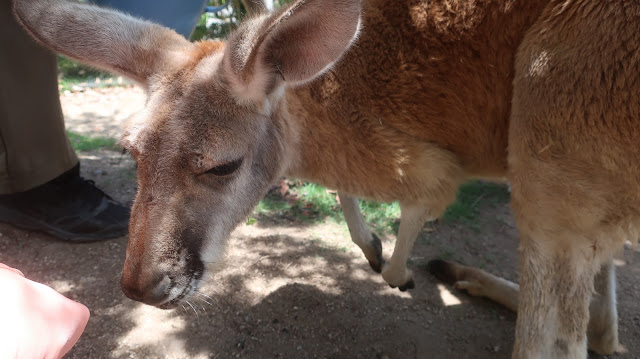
132 292
147 290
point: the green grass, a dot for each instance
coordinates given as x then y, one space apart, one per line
82 143
72 75
68 68
311 203
384 218
472 197
306 203
75 84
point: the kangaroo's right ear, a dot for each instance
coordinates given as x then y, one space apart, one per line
102 38
290 46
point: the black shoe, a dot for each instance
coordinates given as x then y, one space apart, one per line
68 207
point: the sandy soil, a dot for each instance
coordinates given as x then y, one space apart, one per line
290 290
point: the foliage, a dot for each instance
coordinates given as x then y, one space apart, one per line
219 25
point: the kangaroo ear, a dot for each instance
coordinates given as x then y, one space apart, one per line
102 38
291 46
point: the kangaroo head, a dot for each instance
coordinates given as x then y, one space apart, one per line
214 134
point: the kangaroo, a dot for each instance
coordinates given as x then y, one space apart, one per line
391 101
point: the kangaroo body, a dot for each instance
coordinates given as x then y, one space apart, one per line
426 95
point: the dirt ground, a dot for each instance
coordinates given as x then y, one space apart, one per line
290 290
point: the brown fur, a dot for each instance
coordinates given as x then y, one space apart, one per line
573 156
431 93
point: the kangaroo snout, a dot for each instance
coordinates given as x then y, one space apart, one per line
161 279
149 288
160 288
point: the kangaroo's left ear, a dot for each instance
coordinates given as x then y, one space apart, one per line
102 38
291 46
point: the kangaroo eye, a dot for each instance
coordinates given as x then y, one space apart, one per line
225 169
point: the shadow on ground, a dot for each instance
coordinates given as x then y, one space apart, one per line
287 299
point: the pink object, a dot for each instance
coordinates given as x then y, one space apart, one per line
35 320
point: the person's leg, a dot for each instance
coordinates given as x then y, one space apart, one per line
34 148
40 184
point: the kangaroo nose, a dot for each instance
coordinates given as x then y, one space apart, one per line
132 292
149 289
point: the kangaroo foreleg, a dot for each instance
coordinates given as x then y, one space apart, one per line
360 233
395 271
